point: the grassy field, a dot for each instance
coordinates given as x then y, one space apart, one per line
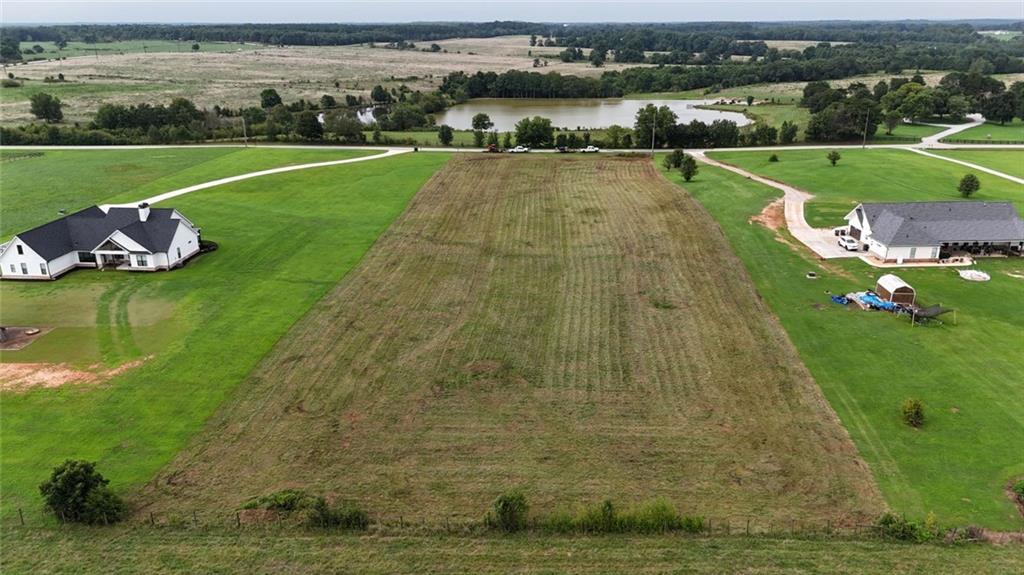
116 551
570 326
285 240
771 114
992 132
100 49
235 76
36 182
860 176
904 131
1007 161
968 374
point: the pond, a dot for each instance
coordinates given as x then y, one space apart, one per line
593 113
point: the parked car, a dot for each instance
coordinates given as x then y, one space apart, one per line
591 149
492 149
520 149
565 150
849 243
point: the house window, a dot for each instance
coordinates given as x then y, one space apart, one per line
24 269
179 253
913 253
86 257
21 250
12 268
141 261
42 269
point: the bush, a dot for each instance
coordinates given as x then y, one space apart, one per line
890 526
913 412
773 158
286 500
10 83
968 185
657 516
1018 490
510 511
77 492
343 515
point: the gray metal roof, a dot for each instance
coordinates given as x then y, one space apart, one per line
84 230
934 223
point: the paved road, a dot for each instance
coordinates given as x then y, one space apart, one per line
240 177
950 129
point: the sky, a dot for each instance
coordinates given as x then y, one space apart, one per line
283 11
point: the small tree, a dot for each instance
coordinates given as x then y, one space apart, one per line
913 412
510 511
968 185
77 492
773 158
506 140
482 122
195 46
46 107
750 100
492 138
308 126
327 101
833 157
478 138
269 98
445 135
688 167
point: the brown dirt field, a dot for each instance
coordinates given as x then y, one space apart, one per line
576 327
773 216
25 376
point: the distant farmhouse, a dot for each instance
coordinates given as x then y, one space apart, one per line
921 231
135 239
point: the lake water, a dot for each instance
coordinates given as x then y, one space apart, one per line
590 113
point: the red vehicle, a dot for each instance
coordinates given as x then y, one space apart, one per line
492 149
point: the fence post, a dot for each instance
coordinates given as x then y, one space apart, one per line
195 520
152 520
748 526
238 519
21 516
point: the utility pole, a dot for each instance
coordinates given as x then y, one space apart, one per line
654 127
864 142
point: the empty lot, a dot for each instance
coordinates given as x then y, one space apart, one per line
575 327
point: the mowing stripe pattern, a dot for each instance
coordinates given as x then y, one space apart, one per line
575 327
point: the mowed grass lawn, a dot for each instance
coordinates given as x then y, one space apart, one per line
160 551
991 131
880 175
571 326
37 184
970 375
1007 161
284 240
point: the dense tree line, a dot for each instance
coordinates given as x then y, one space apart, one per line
460 86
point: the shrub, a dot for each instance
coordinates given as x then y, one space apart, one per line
1018 490
342 515
890 526
656 516
77 492
10 83
968 185
833 157
286 500
913 412
674 160
510 511
773 158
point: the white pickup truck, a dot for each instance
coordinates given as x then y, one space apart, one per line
520 149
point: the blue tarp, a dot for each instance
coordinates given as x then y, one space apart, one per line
874 301
840 299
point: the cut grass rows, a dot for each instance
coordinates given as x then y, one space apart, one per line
574 327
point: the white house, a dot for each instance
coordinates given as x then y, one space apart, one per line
136 239
921 231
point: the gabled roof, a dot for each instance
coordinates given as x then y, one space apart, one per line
85 230
934 223
892 282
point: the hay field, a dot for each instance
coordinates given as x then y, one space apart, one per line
236 78
575 327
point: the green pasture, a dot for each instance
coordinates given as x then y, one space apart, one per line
967 371
874 175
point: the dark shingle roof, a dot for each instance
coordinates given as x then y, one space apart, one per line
933 223
84 230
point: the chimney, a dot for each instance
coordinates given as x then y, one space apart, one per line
143 211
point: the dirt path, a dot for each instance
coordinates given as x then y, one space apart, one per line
820 241
973 166
575 326
240 177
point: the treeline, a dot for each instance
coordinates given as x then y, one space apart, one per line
287 34
856 111
515 84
